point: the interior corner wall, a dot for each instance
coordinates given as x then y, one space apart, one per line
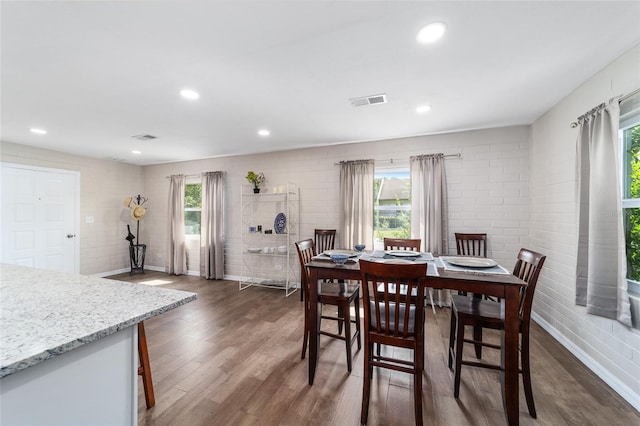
610 349
104 185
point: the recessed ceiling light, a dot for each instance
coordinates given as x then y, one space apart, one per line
423 108
431 32
189 94
264 132
38 131
136 152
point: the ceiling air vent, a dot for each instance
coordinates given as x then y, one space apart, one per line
144 137
369 100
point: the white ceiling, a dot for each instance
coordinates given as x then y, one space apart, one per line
94 74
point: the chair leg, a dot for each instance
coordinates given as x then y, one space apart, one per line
356 304
477 336
417 395
145 368
366 383
347 333
526 375
452 338
301 291
477 331
341 317
459 345
305 340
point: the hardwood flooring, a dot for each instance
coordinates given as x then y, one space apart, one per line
233 358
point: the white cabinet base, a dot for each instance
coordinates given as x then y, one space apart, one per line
96 384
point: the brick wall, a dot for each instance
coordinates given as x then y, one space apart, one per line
488 187
607 347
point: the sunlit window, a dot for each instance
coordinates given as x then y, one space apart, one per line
192 208
392 206
630 144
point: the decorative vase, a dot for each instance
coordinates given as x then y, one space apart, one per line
256 190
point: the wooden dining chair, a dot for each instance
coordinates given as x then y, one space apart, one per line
471 244
393 318
408 244
488 314
402 244
325 240
339 294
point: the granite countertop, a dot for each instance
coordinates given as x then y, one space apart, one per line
45 313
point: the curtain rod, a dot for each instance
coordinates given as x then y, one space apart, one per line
401 161
187 176
622 99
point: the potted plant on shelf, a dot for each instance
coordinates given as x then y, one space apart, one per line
256 179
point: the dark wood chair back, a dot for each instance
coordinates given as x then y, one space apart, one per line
471 244
393 300
306 250
402 244
527 268
325 239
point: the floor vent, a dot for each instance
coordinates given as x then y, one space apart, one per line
144 137
369 100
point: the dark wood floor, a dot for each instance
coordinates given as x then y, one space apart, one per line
233 358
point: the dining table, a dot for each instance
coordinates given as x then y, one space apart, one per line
505 286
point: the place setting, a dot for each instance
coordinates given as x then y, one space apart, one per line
473 265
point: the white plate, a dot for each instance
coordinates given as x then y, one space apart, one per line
349 253
254 250
403 253
471 262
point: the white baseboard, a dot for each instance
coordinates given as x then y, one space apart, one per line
623 390
109 273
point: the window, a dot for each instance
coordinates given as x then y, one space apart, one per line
192 208
392 206
630 143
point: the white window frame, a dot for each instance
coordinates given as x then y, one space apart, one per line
193 209
628 121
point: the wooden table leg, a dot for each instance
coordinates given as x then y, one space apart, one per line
509 359
314 322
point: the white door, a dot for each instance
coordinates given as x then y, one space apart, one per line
39 217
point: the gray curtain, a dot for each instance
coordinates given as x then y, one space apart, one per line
176 254
601 266
212 226
429 208
356 203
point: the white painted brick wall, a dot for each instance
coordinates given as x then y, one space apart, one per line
612 348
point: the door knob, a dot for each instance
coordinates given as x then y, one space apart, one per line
71 235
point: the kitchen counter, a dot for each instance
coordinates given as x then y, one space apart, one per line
44 313
53 322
